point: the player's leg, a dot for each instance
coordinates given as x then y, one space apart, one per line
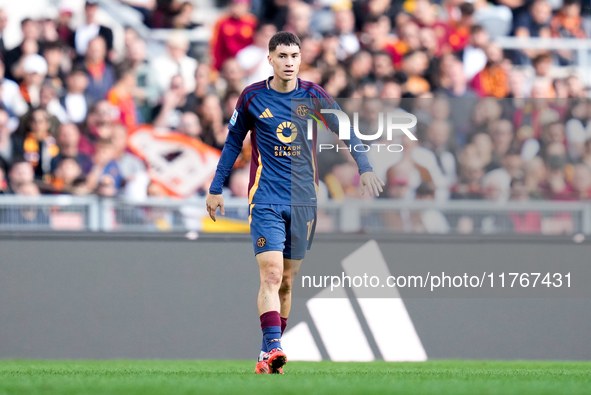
302 226
269 305
291 268
271 272
267 229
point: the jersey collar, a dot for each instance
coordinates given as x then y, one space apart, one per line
268 82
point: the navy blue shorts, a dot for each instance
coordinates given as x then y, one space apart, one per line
278 227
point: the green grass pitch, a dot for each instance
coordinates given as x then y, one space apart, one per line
237 377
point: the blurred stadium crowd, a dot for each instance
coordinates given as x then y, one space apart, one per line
493 124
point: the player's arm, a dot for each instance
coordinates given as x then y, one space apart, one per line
368 180
238 128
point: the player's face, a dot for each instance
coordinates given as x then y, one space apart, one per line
286 62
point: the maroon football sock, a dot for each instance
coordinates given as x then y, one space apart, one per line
283 324
271 326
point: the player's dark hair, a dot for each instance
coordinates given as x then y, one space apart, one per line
284 38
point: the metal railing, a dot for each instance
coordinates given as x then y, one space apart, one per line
582 47
91 213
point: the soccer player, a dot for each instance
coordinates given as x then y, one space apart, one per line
283 182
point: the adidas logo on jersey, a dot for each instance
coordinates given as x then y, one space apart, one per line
266 114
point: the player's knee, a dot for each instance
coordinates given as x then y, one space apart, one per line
271 276
272 279
285 288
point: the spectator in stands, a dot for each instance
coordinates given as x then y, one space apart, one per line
456 85
229 104
34 68
485 113
376 37
425 15
553 132
461 27
383 67
309 52
86 32
203 87
3 182
190 125
502 136
163 13
556 186
133 170
29 46
567 22
397 185
360 66
239 180
147 92
582 182
105 177
184 17
48 101
47 27
76 102
68 140
342 180
470 173
21 172
233 76
232 32
298 19
344 24
101 115
414 65
335 81
6 141
11 99
542 64
38 147
64 31
492 81
575 86
53 55
436 159
253 58
26 216
121 95
3 23
533 22
168 113
144 7
496 185
101 73
513 164
429 220
68 177
210 113
175 62
473 56
529 222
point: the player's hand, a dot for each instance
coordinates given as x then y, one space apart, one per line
371 183
212 203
